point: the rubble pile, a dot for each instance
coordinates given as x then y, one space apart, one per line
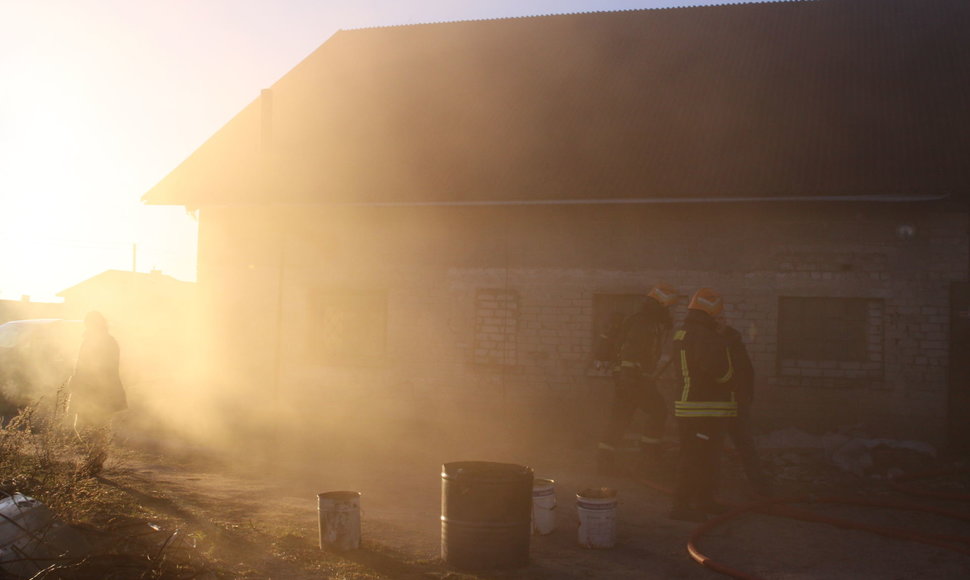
793 456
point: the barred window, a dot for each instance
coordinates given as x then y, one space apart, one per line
830 341
822 328
609 311
496 327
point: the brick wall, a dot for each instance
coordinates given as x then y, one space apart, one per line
490 311
496 327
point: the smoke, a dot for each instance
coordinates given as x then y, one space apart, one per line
348 334
349 338
36 359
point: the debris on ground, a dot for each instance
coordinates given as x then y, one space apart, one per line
793 454
36 544
31 536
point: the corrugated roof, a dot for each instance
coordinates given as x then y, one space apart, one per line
804 98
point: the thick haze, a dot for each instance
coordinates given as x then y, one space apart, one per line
100 99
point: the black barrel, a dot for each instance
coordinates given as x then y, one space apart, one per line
486 514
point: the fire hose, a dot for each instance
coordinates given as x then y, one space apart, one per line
782 507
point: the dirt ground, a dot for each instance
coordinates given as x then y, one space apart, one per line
261 522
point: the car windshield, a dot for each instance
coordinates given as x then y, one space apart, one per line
18 332
36 357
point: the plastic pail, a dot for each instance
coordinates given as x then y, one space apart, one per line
339 519
486 511
543 506
596 508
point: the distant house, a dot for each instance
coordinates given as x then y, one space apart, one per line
120 294
444 215
149 314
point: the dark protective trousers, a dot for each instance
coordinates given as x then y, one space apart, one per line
635 390
699 467
739 431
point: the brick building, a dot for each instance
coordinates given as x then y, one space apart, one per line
432 222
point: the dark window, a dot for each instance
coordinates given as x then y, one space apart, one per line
348 328
823 329
609 311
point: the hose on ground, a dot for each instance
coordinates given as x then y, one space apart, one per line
782 508
900 484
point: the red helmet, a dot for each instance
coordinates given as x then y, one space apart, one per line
665 294
708 301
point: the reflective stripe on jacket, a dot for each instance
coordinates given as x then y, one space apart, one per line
706 369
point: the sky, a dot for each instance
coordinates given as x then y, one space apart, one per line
100 99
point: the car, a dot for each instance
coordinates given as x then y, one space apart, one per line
36 359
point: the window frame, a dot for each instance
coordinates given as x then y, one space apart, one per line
372 304
842 355
498 346
604 306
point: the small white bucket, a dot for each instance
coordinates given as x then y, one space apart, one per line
543 506
339 513
597 517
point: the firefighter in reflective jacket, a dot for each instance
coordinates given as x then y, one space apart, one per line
641 340
705 408
739 432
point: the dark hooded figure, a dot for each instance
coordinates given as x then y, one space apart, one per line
96 390
640 344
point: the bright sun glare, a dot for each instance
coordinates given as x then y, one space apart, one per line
99 100
71 174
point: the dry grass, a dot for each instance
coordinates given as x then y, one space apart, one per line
129 528
45 458
139 527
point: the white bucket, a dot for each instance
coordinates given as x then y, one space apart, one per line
339 513
597 517
543 506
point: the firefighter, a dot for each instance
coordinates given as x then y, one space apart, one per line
705 408
640 343
739 431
